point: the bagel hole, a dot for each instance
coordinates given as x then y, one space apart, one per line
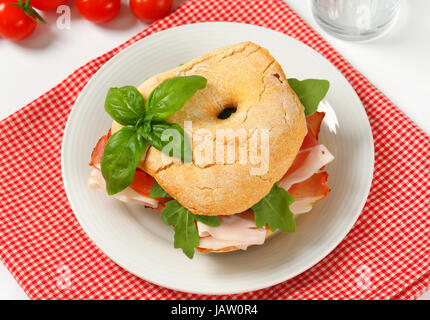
227 112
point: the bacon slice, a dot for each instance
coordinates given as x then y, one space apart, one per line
316 185
314 122
96 155
314 125
307 192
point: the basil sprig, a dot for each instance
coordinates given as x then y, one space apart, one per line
144 124
186 233
310 92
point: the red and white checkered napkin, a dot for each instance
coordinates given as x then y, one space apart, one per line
386 254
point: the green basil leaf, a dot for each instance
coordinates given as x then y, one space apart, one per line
158 192
171 95
121 156
125 105
310 92
186 233
174 142
212 221
274 210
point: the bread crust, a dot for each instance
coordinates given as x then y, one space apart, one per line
246 76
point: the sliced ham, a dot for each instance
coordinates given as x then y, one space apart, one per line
307 162
304 205
236 230
96 181
240 230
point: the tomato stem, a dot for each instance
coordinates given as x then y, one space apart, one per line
29 10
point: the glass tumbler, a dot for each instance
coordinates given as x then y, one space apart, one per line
355 20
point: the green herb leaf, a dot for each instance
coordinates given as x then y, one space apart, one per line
212 221
169 138
121 156
186 233
171 95
158 192
125 105
310 92
274 210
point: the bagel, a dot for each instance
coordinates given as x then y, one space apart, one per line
245 80
244 76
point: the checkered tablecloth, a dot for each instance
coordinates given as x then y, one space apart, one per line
387 251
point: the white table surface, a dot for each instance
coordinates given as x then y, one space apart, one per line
398 64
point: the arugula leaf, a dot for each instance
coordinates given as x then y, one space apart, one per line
310 92
158 192
121 156
125 105
171 95
274 210
212 221
174 143
186 233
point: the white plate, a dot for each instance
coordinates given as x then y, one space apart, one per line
135 237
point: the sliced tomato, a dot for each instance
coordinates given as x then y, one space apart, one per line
96 155
315 186
142 182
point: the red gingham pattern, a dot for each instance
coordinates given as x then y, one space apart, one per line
386 254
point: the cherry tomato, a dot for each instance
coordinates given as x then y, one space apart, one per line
150 10
47 5
98 11
15 24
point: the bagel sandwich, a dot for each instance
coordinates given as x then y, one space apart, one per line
242 157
